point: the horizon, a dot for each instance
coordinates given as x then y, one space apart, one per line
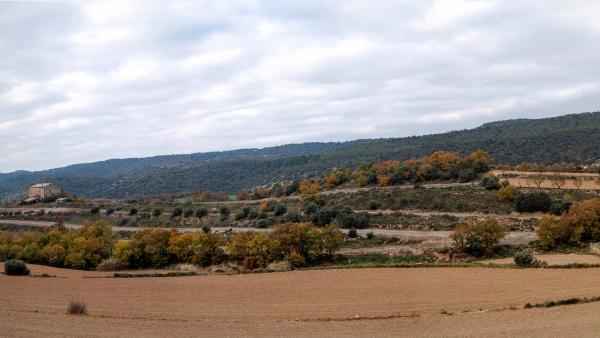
274 146
94 80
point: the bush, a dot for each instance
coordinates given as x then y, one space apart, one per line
224 211
177 212
311 208
549 232
201 212
16 267
110 211
76 308
94 211
533 201
133 211
524 258
353 220
188 213
280 210
374 205
507 193
479 239
111 264
156 212
352 233
490 182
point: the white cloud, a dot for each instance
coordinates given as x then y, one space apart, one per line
99 80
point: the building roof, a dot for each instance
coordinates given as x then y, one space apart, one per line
41 185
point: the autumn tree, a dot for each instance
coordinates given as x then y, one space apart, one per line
309 191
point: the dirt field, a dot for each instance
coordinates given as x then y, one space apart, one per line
590 180
358 302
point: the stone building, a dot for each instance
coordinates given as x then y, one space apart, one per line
45 191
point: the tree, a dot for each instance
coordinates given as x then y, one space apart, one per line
578 182
479 239
309 191
549 232
557 180
198 248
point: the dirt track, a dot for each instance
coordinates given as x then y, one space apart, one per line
361 302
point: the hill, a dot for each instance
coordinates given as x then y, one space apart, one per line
570 138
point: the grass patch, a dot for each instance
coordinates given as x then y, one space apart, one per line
77 307
155 274
569 301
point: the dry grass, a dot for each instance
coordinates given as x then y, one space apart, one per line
77 307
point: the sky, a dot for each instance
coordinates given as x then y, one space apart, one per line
88 81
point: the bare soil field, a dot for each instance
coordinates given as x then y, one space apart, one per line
352 302
555 259
520 179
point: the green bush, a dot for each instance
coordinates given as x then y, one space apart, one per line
490 182
374 205
133 211
156 212
524 258
352 233
177 212
533 201
280 210
16 267
94 211
201 212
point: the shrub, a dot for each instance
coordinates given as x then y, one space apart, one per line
533 201
177 212
280 210
110 211
490 182
293 218
94 211
353 220
507 193
156 212
478 239
16 267
524 258
370 235
76 308
201 212
352 233
311 208
188 213
224 211
549 232
133 211
111 264
374 205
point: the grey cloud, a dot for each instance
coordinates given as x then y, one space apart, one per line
85 81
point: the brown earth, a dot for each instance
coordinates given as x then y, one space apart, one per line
338 303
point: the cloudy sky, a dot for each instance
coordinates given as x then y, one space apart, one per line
88 81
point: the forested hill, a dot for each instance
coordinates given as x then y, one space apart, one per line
569 138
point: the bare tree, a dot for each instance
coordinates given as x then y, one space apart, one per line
578 182
557 180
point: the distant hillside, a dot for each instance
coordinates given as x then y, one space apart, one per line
569 138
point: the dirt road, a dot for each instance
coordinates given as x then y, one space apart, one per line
515 215
434 302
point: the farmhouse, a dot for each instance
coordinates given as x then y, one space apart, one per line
44 191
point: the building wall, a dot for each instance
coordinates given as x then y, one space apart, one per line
51 190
